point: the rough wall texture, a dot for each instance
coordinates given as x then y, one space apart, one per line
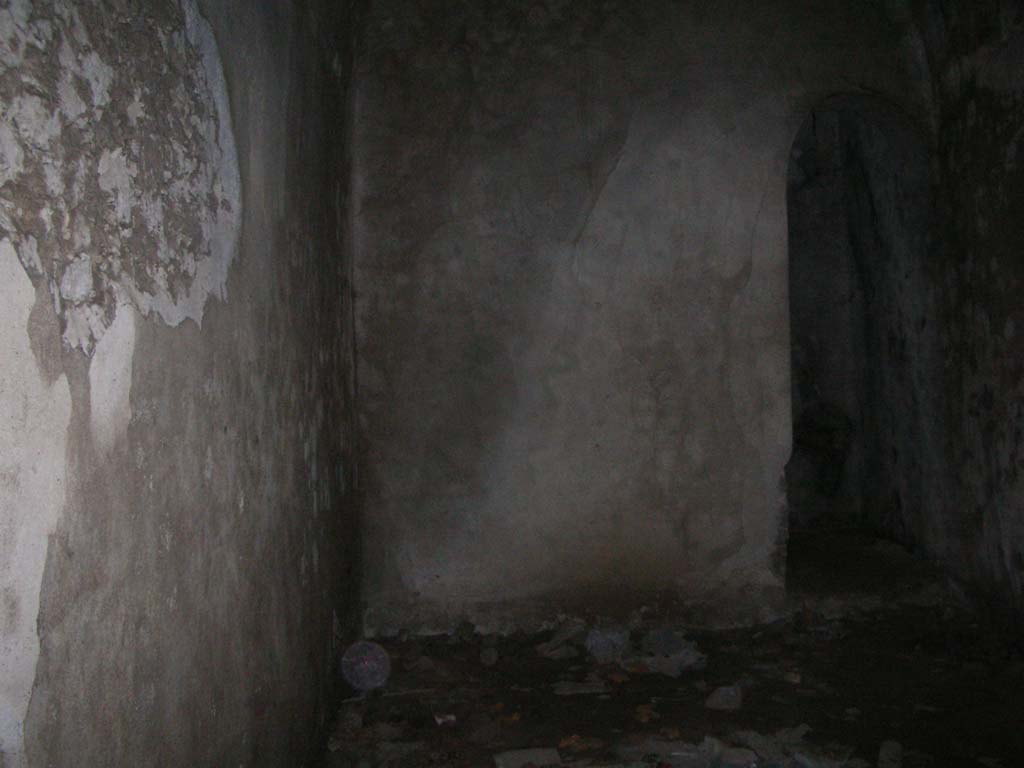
176 536
120 171
943 472
976 62
870 420
572 296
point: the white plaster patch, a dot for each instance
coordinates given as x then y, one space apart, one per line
33 433
85 322
110 381
136 110
37 125
15 15
100 76
76 284
115 177
71 104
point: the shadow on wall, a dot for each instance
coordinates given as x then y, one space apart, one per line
864 335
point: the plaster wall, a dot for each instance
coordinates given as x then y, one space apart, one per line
177 537
572 312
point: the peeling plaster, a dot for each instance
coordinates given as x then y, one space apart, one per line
114 200
34 417
97 168
120 198
110 379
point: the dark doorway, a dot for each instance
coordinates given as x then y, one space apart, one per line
862 314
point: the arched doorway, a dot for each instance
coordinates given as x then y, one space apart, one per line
862 318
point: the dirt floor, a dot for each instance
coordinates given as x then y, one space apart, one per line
875 666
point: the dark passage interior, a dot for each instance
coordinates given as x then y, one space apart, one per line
860 218
407 383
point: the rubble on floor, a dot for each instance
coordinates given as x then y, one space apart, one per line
726 698
888 684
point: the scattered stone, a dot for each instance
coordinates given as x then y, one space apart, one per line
776 750
728 698
607 645
689 659
890 755
766 747
521 758
366 666
559 646
490 725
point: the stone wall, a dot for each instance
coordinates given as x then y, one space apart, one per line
975 53
572 313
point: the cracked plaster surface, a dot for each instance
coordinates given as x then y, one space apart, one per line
118 173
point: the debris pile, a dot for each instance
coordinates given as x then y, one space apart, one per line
649 695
